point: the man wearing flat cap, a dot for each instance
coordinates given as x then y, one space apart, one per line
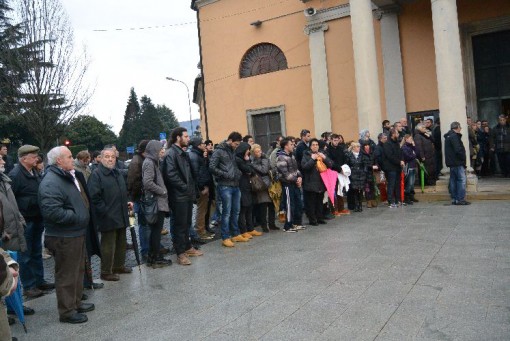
25 185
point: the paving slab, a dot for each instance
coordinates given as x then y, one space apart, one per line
426 272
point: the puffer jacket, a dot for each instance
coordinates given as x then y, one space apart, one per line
287 167
312 181
360 166
25 187
199 168
223 166
179 180
261 166
64 211
108 195
13 234
152 178
409 155
454 150
134 177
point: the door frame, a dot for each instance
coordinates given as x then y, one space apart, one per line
467 31
253 112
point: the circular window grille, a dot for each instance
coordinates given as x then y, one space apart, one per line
262 58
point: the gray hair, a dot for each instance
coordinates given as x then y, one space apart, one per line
54 154
107 150
455 125
420 126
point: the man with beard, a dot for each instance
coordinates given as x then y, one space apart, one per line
181 190
110 204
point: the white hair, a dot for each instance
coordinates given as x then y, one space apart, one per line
54 154
107 150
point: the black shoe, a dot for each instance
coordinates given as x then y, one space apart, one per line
11 320
86 307
161 262
75 318
26 311
322 222
313 223
84 297
463 203
265 229
46 286
274 227
96 286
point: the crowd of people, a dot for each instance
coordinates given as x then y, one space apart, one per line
83 205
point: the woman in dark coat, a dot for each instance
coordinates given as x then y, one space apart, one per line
409 156
368 152
313 186
263 203
426 153
358 164
245 216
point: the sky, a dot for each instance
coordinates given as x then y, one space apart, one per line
139 58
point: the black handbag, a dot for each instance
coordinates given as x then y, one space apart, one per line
257 184
149 204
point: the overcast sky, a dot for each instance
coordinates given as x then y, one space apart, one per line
137 58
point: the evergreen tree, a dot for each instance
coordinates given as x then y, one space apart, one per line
89 131
128 134
167 117
151 124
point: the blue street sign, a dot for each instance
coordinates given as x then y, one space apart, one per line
162 136
130 150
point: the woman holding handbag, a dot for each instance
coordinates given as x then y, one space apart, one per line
263 203
154 190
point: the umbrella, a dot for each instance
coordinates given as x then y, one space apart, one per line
402 185
423 171
135 246
15 301
275 193
330 177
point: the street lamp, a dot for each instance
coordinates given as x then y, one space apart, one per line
189 100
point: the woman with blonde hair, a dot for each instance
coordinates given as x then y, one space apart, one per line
359 164
264 208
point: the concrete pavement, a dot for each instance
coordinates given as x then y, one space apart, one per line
423 272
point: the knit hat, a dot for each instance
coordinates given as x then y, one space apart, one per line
195 141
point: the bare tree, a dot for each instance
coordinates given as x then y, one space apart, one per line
55 91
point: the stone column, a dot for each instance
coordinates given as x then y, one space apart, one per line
365 66
450 78
392 61
320 83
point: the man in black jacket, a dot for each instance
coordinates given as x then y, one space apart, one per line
25 185
392 165
181 187
500 143
336 153
108 194
455 158
65 207
200 169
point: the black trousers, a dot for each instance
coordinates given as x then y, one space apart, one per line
313 205
245 219
271 214
182 212
261 213
155 237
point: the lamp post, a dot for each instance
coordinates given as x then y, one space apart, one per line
189 100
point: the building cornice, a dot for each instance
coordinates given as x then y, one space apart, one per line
201 3
328 14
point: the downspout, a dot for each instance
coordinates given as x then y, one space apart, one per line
203 73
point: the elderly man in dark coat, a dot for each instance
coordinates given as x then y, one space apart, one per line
110 204
65 206
426 152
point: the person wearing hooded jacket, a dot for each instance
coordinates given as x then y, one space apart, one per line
264 206
153 184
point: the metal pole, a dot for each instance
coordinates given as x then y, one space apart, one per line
189 100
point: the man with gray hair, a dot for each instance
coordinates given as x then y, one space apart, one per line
65 207
455 158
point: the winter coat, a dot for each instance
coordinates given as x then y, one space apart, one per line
200 168
134 177
179 180
337 156
13 234
299 152
455 152
85 170
360 166
25 187
424 146
500 138
378 155
261 167
391 156
223 166
370 162
62 205
370 142
312 181
287 167
6 277
152 178
108 195
247 171
409 155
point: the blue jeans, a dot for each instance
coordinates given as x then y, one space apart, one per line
393 182
231 206
409 181
144 231
293 205
30 261
457 183
217 212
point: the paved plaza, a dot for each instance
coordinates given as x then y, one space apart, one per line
424 272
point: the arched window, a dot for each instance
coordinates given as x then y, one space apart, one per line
262 58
